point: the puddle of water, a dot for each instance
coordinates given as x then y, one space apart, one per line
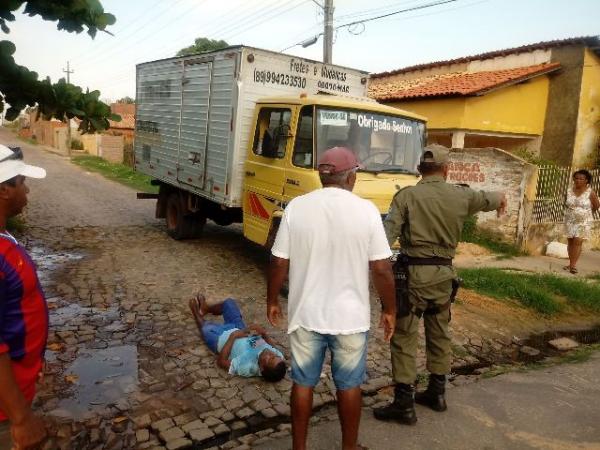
47 262
103 377
66 314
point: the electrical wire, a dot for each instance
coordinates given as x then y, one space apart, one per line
278 11
118 39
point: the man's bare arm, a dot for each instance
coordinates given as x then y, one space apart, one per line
223 356
383 279
278 271
26 428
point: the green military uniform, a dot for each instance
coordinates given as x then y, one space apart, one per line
427 219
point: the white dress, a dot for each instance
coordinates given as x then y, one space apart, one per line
578 215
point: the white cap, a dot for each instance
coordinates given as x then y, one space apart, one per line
11 167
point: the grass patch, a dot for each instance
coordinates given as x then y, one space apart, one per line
576 356
31 141
540 292
117 172
487 239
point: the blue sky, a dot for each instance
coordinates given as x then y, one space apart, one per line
154 29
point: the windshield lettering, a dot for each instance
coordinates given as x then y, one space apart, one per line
381 142
365 121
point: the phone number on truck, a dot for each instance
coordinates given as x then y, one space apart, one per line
267 76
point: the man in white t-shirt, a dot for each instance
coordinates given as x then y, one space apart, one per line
328 240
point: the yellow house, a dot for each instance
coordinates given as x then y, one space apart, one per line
543 98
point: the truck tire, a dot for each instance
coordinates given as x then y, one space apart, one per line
181 224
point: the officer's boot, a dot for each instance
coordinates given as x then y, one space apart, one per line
433 397
402 409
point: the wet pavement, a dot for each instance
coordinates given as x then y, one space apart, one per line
125 365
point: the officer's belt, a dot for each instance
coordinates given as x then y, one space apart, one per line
432 261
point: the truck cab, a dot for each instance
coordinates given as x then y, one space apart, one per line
291 133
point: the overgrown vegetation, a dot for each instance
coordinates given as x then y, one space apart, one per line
21 87
576 356
117 172
545 293
487 239
76 144
531 158
31 140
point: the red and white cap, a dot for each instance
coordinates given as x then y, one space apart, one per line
11 165
336 160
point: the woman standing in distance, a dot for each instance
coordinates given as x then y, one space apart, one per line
582 201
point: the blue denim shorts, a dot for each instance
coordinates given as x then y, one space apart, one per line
232 318
348 357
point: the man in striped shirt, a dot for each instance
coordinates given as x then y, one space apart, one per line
23 313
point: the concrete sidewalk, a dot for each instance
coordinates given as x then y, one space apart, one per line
557 408
588 264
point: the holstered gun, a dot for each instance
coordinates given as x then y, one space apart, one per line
400 269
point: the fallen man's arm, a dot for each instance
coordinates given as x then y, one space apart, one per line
223 356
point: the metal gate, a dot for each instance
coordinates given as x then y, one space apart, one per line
551 192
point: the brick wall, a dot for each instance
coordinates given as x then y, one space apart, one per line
111 148
492 169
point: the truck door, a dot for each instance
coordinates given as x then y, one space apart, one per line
265 169
194 122
301 176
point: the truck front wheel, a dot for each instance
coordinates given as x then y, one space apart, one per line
181 223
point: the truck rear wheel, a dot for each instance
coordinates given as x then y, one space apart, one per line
182 224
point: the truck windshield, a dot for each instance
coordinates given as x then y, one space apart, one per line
382 143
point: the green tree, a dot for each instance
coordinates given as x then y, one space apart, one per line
126 99
20 87
202 45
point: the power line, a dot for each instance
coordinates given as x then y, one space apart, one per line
382 8
173 47
383 16
310 41
118 45
248 20
137 19
240 22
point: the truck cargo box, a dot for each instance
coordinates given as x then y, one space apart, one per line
194 113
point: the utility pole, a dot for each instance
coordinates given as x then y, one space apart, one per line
328 31
68 71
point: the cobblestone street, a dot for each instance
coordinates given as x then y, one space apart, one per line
126 367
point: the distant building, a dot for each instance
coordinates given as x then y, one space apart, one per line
544 98
126 126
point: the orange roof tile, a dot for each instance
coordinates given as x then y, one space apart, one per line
457 83
127 121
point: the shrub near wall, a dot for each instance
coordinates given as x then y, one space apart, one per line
492 169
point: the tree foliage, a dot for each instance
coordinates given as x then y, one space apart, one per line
20 87
127 100
202 45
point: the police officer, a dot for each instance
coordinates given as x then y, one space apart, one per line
427 219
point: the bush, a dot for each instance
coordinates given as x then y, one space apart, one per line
76 144
487 238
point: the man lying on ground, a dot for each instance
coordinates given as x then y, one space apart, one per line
247 351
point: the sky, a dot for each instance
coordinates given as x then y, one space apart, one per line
147 30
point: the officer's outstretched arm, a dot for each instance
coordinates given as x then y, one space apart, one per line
392 224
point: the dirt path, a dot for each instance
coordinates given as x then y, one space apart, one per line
126 365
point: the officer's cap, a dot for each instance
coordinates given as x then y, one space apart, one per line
435 153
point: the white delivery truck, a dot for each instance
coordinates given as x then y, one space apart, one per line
233 135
